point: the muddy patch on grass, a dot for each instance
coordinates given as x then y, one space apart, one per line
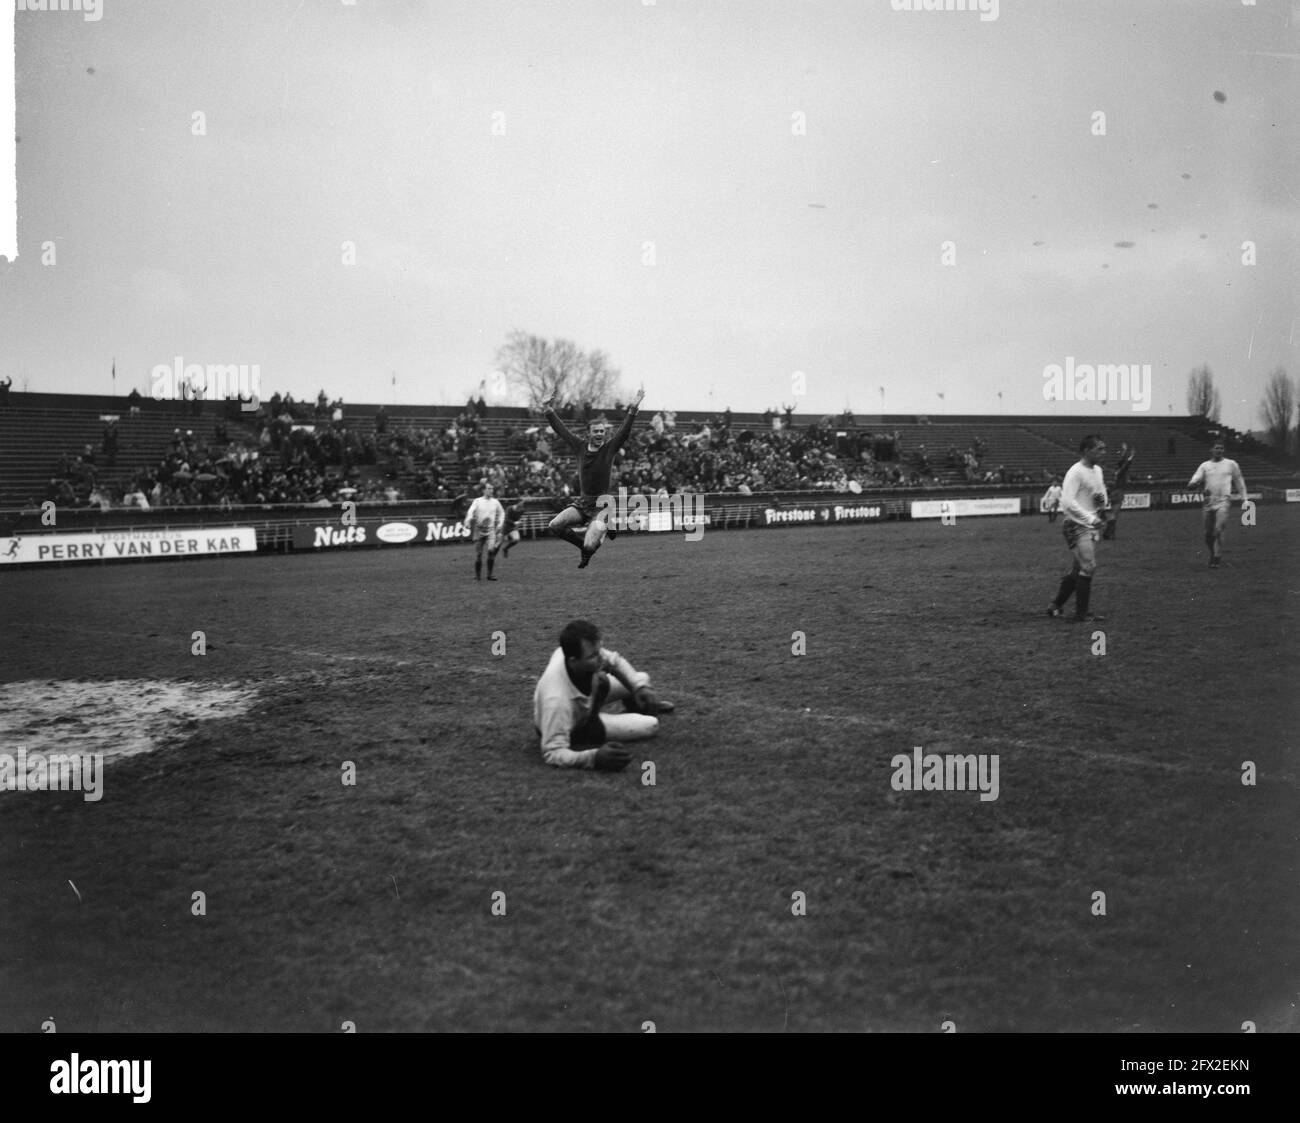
118 718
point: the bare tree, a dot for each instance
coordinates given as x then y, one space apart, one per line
1202 397
1277 407
538 368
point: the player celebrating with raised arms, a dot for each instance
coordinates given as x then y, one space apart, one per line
1218 476
484 521
1083 503
580 522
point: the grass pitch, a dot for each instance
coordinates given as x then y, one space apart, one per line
1120 773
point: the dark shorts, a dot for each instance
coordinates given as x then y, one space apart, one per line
587 505
592 733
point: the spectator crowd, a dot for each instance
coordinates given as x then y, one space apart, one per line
310 454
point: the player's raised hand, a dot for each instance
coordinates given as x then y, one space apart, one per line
612 758
549 401
640 394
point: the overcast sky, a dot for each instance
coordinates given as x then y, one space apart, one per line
717 194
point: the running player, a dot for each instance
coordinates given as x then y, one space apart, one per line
510 535
1052 500
1126 455
1218 476
484 521
1084 503
580 522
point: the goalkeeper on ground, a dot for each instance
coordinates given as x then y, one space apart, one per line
581 678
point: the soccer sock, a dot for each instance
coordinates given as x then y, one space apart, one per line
572 534
491 562
1084 587
1067 587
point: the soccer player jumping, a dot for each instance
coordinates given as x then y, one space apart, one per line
1084 503
579 522
1217 476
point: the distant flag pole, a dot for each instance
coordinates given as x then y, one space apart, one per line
882 402
115 376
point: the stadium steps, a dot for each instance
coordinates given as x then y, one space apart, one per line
1164 452
33 440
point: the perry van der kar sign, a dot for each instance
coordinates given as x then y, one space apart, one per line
373 533
114 545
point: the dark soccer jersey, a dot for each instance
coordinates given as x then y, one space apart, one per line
594 467
513 515
1116 490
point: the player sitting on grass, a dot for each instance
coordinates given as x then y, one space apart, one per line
581 678
579 522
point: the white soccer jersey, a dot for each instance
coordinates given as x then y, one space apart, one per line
1219 477
1082 493
485 516
1052 497
559 707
